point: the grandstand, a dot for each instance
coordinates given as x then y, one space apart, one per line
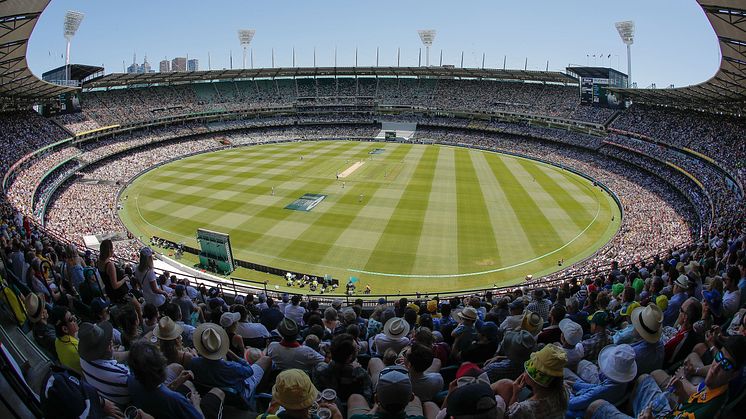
656 300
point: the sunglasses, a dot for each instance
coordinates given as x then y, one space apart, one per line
725 363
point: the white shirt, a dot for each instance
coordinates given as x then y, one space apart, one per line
252 330
295 312
301 357
730 302
145 279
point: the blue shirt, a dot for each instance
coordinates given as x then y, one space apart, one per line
649 356
161 402
672 311
585 393
222 374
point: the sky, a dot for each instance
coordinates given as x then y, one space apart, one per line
674 42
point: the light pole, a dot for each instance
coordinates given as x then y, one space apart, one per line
626 31
72 23
427 36
244 37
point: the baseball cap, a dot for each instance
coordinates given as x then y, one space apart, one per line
599 317
146 252
98 305
394 387
472 399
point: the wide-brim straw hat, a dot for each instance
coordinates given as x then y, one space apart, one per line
648 322
211 341
167 329
396 328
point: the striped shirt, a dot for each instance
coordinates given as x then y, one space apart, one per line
108 377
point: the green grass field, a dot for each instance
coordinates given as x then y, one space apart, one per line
424 218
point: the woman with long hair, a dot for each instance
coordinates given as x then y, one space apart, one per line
116 288
145 276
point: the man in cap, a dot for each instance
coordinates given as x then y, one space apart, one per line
103 372
680 286
475 400
513 321
572 334
516 347
617 368
703 401
599 336
484 347
211 369
393 396
289 353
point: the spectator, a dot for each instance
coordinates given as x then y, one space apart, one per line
680 287
294 392
170 342
271 316
229 321
289 353
394 336
599 336
732 297
683 342
44 334
253 334
393 396
570 342
423 372
116 287
475 400
540 304
516 349
484 347
551 333
66 344
294 310
618 368
465 333
514 320
649 350
342 373
100 369
145 276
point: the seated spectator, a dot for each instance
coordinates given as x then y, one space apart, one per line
270 316
100 312
289 353
514 320
394 336
617 368
66 395
649 349
150 394
236 377
484 347
703 401
572 334
516 349
532 323
474 400
66 345
294 310
44 334
540 305
146 278
423 370
342 373
680 287
253 334
294 392
682 343
599 336
174 312
170 342
103 372
732 296
465 333
551 333
190 312
393 396
229 321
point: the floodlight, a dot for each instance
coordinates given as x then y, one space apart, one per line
244 37
427 36
626 31
71 25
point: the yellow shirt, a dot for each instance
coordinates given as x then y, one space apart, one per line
67 352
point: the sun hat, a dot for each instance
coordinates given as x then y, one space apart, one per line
294 390
647 321
396 328
618 363
532 322
228 319
414 307
572 331
682 281
468 313
626 311
473 399
691 266
287 328
145 251
600 318
432 306
518 344
94 340
34 307
211 341
394 387
662 302
617 289
545 365
167 329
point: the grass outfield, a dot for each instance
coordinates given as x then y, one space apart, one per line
425 218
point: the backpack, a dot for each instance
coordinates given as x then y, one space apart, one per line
67 395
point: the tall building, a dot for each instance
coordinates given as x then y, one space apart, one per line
193 65
165 66
178 64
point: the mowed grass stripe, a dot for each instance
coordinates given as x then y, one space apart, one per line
393 254
202 216
512 243
439 232
476 239
579 213
254 230
562 222
540 232
319 239
355 246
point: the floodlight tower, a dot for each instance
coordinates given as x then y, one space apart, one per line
626 31
72 23
244 37
427 36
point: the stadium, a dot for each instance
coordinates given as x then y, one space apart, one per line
322 208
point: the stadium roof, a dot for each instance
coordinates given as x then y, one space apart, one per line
138 79
726 90
77 71
18 86
595 72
